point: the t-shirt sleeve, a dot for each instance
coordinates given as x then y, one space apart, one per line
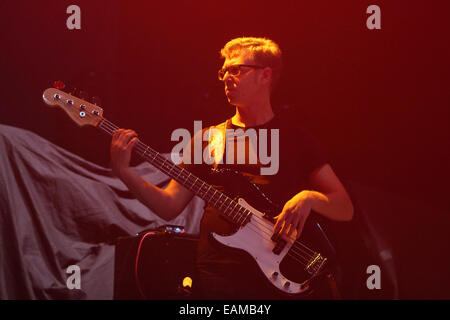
317 155
306 154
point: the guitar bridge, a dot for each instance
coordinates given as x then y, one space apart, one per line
316 264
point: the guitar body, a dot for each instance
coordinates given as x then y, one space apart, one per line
292 269
256 241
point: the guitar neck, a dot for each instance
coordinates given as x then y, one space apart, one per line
229 208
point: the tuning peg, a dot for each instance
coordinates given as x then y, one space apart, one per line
59 85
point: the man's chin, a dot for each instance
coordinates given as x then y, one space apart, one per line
234 101
231 100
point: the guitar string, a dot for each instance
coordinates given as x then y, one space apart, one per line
291 253
294 248
111 127
213 200
308 257
140 144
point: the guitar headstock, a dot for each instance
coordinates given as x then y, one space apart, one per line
81 111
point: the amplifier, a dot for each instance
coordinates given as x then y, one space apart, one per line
156 264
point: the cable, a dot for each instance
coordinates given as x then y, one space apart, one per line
136 276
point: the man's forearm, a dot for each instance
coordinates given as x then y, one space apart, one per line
334 205
157 199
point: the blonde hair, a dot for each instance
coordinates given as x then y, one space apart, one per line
264 52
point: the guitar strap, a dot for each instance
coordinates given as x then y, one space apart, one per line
216 143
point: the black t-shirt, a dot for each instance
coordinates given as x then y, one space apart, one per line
230 274
299 155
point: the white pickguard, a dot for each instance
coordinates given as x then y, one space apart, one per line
254 238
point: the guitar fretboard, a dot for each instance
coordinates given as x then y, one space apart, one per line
229 208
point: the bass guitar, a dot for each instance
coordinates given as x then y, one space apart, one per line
291 265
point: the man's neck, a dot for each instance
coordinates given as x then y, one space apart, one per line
254 115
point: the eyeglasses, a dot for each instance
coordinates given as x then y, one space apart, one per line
235 70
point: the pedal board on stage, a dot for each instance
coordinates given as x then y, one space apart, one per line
156 264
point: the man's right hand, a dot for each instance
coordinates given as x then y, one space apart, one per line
167 202
123 141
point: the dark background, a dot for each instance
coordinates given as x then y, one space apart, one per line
377 99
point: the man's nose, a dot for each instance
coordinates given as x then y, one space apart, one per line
227 78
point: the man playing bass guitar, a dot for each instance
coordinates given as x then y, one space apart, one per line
303 181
